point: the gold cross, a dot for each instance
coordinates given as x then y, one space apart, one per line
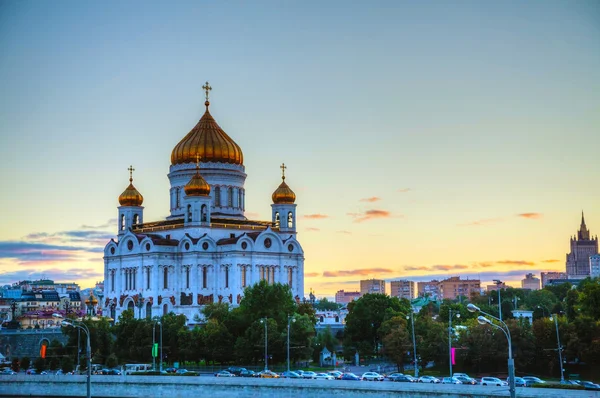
197 161
131 170
207 88
283 167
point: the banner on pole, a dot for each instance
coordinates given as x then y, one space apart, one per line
453 356
155 350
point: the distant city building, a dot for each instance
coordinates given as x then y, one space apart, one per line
372 286
342 297
523 315
530 282
551 275
403 289
454 287
48 284
429 289
495 287
595 266
582 247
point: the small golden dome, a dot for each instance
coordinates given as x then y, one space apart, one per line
283 194
207 140
131 196
197 186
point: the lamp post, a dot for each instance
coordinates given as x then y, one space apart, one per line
412 322
450 338
559 348
82 326
543 308
498 283
511 362
161 346
264 321
290 319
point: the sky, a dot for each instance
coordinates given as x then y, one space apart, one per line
423 139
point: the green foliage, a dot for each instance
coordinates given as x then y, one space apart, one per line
25 363
112 361
396 340
15 366
66 364
326 305
39 364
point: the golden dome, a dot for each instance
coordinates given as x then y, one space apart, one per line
91 299
131 196
197 185
208 141
283 194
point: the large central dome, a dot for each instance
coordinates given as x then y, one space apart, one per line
209 142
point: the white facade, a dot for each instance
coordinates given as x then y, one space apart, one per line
595 266
205 251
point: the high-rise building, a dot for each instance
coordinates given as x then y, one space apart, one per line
402 289
342 297
530 282
595 266
454 287
372 286
551 275
582 247
429 289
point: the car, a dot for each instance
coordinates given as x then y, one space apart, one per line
299 371
350 376
224 373
588 385
394 376
247 373
451 380
308 375
171 370
236 370
290 375
428 379
533 380
336 373
324 376
181 371
111 372
267 374
8 372
466 380
461 375
492 381
519 382
31 372
372 376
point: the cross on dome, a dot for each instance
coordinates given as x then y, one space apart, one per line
283 167
207 88
131 170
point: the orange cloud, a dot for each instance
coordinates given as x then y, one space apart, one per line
360 272
312 229
485 264
403 190
551 261
482 222
311 274
416 268
437 267
370 215
515 262
315 216
531 216
371 199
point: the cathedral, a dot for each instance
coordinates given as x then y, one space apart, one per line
206 250
582 247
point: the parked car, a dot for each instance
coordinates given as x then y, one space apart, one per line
533 380
372 376
466 380
451 380
324 376
267 374
299 371
181 371
308 375
519 382
588 385
171 370
336 373
224 373
8 372
462 375
350 376
31 372
236 370
492 381
290 375
407 379
394 376
247 373
428 379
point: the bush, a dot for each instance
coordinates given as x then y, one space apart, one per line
25 362
39 364
559 386
67 364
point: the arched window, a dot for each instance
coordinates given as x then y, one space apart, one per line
130 306
148 310
290 220
290 274
204 277
165 278
226 277
218 196
277 221
136 219
337 319
177 197
112 280
230 197
187 277
165 309
204 213
243 269
122 222
321 319
147 278
239 199
189 213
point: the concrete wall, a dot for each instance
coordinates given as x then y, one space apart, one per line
186 387
27 342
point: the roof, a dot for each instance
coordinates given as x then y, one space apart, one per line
234 240
215 222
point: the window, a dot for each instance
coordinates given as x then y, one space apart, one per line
239 199
122 222
290 220
230 197
189 213
165 278
177 197
217 196
272 275
204 277
204 213
147 278
112 280
187 277
277 219
226 277
133 283
136 219
243 268
290 274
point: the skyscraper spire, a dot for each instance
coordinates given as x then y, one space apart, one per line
584 233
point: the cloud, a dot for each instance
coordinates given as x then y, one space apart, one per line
311 274
344 232
482 222
312 229
73 236
71 274
315 216
403 190
437 267
416 268
530 216
362 272
485 264
515 274
551 261
110 223
370 215
371 199
515 262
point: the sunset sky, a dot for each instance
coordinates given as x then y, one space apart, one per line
423 139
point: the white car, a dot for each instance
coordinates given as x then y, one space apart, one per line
492 381
308 375
428 379
372 376
324 376
451 380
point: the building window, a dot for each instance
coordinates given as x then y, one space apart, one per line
133 283
177 198
230 197
165 278
290 274
243 269
226 277
122 222
136 219
189 213
187 277
204 214
112 280
217 196
277 221
272 275
147 278
290 220
239 199
204 277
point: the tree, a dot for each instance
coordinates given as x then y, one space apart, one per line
111 361
39 364
25 363
590 298
15 366
396 340
66 364
326 305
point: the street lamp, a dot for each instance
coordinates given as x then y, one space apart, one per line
543 308
498 283
290 319
412 321
511 362
82 326
264 321
559 349
450 338
157 322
